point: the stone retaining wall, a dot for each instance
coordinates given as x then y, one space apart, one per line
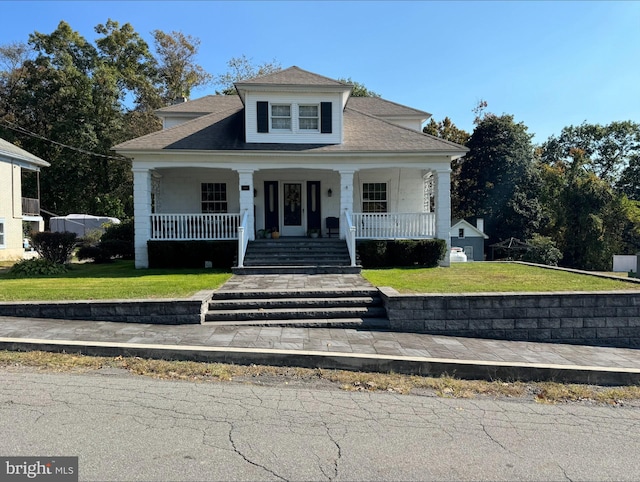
594 318
161 311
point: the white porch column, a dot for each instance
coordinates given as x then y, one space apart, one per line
245 185
142 215
346 197
443 209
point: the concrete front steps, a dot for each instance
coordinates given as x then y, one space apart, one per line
297 256
360 308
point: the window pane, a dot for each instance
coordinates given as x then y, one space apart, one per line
281 110
281 123
214 197
308 111
374 197
309 124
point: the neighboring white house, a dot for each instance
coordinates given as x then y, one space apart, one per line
470 238
291 149
15 209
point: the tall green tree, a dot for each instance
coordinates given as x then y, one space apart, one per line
178 71
592 218
498 180
607 149
69 101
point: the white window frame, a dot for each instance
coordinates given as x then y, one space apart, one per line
223 203
316 117
460 233
374 201
2 234
273 117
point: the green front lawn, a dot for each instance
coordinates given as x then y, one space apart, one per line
119 280
489 277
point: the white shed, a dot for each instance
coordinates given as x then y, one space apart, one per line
469 237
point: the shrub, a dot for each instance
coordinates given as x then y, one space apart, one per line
97 253
55 247
116 242
543 251
191 254
119 239
37 267
383 254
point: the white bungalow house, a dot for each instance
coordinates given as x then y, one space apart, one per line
17 214
292 149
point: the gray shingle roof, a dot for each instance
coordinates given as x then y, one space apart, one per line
292 76
223 130
384 108
11 151
203 105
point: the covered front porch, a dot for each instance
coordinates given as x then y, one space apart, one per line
171 204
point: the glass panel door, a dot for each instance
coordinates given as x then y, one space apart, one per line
292 209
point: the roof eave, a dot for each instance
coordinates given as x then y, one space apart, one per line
271 153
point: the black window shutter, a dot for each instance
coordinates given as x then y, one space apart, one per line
325 117
263 116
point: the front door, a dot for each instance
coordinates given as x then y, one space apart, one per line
292 209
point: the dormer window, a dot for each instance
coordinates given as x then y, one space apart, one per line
308 117
281 117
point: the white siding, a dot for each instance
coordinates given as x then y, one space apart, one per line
180 189
413 124
405 188
11 210
168 122
295 136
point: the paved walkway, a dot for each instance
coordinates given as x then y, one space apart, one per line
327 347
295 282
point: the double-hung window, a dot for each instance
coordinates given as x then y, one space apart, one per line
2 245
374 197
214 197
281 117
308 117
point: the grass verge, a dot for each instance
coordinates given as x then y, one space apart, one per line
119 280
490 277
446 386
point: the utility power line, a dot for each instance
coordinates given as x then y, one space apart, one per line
22 130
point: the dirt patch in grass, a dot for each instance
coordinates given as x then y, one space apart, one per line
445 386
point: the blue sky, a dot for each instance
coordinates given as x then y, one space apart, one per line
551 64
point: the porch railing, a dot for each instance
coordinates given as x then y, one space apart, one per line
31 206
394 225
187 227
349 235
243 239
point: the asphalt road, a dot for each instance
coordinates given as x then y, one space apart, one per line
133 428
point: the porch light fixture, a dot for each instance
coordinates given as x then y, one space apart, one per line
329 192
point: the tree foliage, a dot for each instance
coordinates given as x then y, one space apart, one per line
359 89
69 102
498 180
243 68
177 70
607 150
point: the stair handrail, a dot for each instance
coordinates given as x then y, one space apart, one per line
243 238
350 236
